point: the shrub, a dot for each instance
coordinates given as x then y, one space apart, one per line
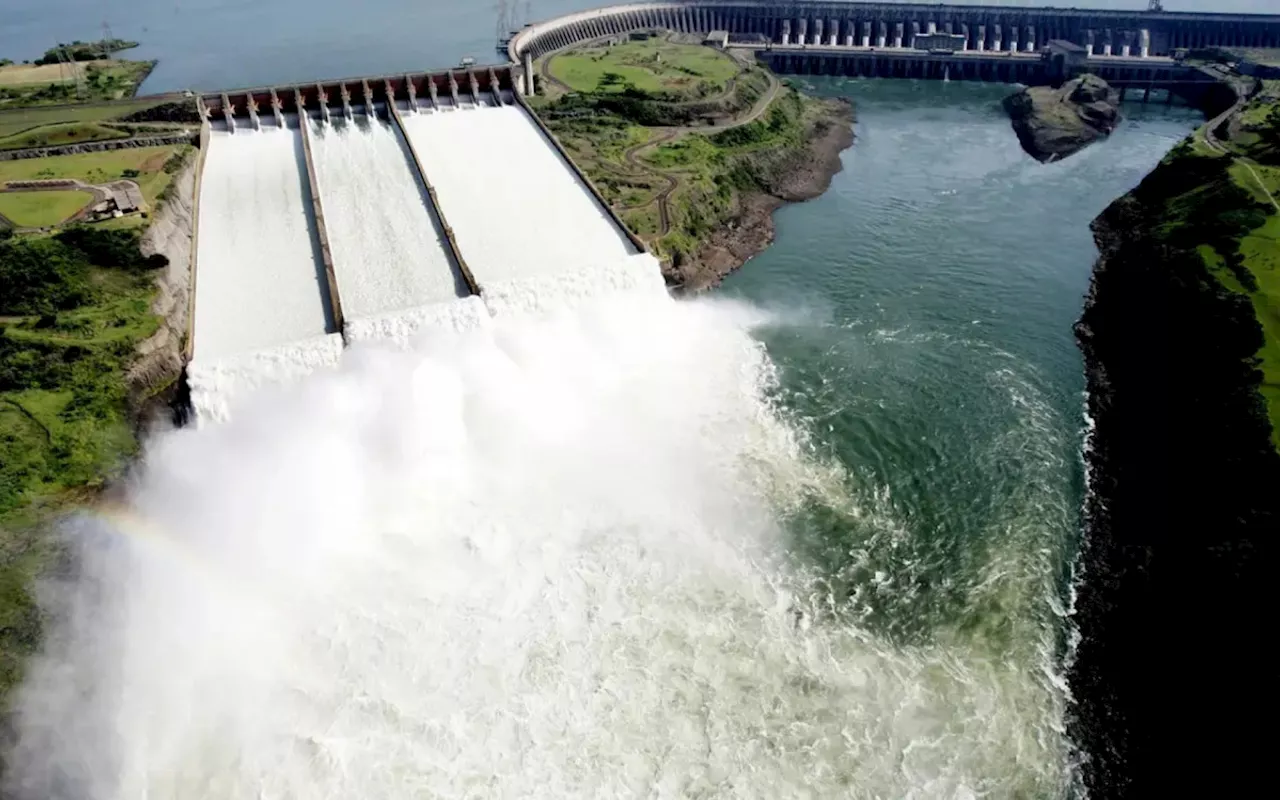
104 248
42 276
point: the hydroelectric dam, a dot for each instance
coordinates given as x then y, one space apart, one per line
375 208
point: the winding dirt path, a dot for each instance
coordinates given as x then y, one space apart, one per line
632 154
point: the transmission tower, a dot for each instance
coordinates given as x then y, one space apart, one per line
1154 5
107 38
66 62
504 19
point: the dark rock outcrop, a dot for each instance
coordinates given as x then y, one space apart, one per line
1172 674
1054 123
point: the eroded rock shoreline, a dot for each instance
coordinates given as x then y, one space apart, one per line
791 176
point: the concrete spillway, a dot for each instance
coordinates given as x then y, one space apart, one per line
260 283
388 249
386 229
518 210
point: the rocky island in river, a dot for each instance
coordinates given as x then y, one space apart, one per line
1053 123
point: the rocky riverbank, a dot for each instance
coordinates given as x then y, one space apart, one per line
790 175
1053 123
154 375
1183 510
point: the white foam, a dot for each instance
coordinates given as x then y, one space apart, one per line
387 252
403 327
557 291
543 558
515 206
258 283
219 385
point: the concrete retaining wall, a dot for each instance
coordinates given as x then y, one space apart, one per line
188 137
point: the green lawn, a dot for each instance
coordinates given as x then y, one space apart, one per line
23 119
1261 251
41 209
652 66
62 133
101 167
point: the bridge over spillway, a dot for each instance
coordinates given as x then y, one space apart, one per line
1119 33
376 208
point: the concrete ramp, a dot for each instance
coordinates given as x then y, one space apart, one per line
389 252
517 208
260 281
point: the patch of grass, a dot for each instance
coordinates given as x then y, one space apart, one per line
41 74
1214 206
17 120
41 209
654 66
62 133
688 152
1261 252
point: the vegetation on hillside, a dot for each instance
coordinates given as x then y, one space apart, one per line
84 51
15 121
1216 213
637 135
77 81
62 133
75 308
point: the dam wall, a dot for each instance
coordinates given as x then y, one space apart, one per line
1128 33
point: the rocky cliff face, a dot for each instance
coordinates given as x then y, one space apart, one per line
1183 513
160 359
1054 123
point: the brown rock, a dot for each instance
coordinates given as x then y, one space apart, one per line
1054 123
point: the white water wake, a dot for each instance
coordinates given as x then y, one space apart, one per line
537 559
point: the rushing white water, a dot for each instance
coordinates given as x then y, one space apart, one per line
259 283
388 253
508 194
217 386
542 558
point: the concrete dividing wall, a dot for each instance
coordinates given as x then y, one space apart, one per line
450 239
319 229
517 208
